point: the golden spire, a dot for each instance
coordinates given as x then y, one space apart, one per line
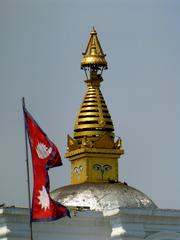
92 149
93 119
94 54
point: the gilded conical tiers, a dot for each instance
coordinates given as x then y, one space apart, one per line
93 120
92 150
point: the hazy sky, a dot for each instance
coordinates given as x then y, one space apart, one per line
40 50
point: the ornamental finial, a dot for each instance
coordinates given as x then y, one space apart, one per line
93 57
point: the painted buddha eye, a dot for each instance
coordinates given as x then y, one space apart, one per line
102 168
97 167
107 167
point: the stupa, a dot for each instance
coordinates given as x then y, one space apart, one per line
93 150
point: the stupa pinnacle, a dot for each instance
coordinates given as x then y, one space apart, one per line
93 56
92 150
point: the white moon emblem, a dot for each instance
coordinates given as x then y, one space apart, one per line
43 151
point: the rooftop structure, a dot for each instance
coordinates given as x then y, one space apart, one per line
93 150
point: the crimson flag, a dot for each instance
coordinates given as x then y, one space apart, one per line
45 155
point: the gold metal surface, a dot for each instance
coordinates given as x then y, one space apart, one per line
94 54
93 119
93 142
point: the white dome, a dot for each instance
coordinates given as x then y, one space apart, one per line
101 196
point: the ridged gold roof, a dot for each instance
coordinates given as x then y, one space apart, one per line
94 54
93 119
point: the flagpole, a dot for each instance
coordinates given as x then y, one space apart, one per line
27 168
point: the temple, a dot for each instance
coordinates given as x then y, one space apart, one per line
102 206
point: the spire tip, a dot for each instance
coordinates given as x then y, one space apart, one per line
93 55
93 31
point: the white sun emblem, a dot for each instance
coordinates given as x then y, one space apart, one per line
43 151
43 198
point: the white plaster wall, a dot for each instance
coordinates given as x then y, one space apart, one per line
122 224
89 226
138 224
164 236
14 224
